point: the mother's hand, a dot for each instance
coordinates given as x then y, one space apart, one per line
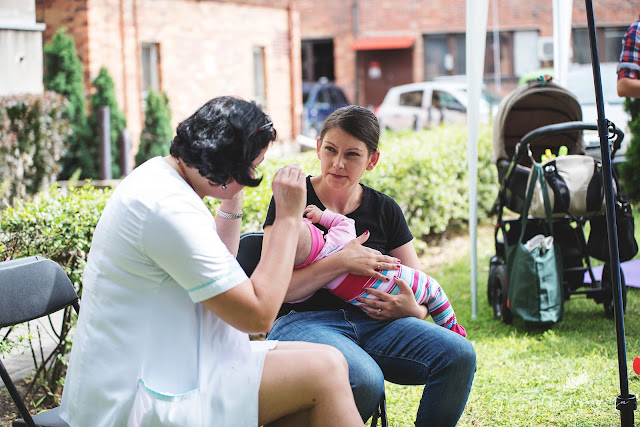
392 307
364 261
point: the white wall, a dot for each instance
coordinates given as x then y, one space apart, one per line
20 48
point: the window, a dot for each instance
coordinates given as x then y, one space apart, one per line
150 68
411 99
609 44
337 96
443 99
259 87
444 55
323 100
505 55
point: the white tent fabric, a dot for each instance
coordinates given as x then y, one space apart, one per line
475 46
562 11
476 27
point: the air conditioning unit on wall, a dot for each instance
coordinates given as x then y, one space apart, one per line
545 48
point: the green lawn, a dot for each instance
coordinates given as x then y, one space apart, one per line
564 376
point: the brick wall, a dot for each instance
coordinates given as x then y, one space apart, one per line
332 19
205 50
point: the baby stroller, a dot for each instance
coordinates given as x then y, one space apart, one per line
533 120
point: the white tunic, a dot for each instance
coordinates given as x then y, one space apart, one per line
145 352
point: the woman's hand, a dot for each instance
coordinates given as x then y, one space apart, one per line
364 261
391 307
289 191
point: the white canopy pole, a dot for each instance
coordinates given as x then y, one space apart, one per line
476 37
562 11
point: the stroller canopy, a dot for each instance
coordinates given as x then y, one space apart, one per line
529 107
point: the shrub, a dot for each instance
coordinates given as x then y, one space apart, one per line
104 96
64 75
156 135
425 172
630 170
59 227
33 131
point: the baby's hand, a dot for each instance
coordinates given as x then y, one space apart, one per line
313 213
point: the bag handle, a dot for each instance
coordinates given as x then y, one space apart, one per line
536 174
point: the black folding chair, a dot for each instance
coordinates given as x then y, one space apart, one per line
248 257
31 288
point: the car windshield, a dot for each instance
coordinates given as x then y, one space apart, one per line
580 83
487 96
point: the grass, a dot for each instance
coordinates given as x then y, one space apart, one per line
564 376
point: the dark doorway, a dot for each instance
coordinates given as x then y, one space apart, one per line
317 60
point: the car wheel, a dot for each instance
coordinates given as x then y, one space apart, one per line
416 123
606 284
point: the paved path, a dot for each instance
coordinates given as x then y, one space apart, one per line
19 362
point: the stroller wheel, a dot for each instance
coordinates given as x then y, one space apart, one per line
606 284
498 286
493 264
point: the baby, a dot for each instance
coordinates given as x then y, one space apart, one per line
312 246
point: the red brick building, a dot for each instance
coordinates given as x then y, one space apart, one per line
192 50
349 41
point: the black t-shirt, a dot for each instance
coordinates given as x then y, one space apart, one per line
379 214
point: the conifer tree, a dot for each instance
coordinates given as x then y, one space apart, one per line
156 135
64 75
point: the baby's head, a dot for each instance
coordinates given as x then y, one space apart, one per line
310 242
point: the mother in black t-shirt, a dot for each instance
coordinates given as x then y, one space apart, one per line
391 340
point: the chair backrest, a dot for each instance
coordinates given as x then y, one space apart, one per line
31 288
250 250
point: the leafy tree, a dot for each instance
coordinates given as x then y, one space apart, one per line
630 170
156 135
64 75
104 96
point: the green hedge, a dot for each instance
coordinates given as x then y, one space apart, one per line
59 227
33 132
426 172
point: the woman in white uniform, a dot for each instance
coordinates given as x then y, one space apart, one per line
162 337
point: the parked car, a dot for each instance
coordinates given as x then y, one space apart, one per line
580 83
425 104
318 101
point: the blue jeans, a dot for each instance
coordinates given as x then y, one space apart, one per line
406 351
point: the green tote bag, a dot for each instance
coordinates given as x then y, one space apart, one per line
534 276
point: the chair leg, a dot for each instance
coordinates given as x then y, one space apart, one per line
13 391
381 412
374 418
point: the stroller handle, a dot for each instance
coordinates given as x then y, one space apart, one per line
560 128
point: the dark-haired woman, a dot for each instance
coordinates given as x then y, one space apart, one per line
391 341
162 338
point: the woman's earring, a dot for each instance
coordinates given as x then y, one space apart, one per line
224 186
